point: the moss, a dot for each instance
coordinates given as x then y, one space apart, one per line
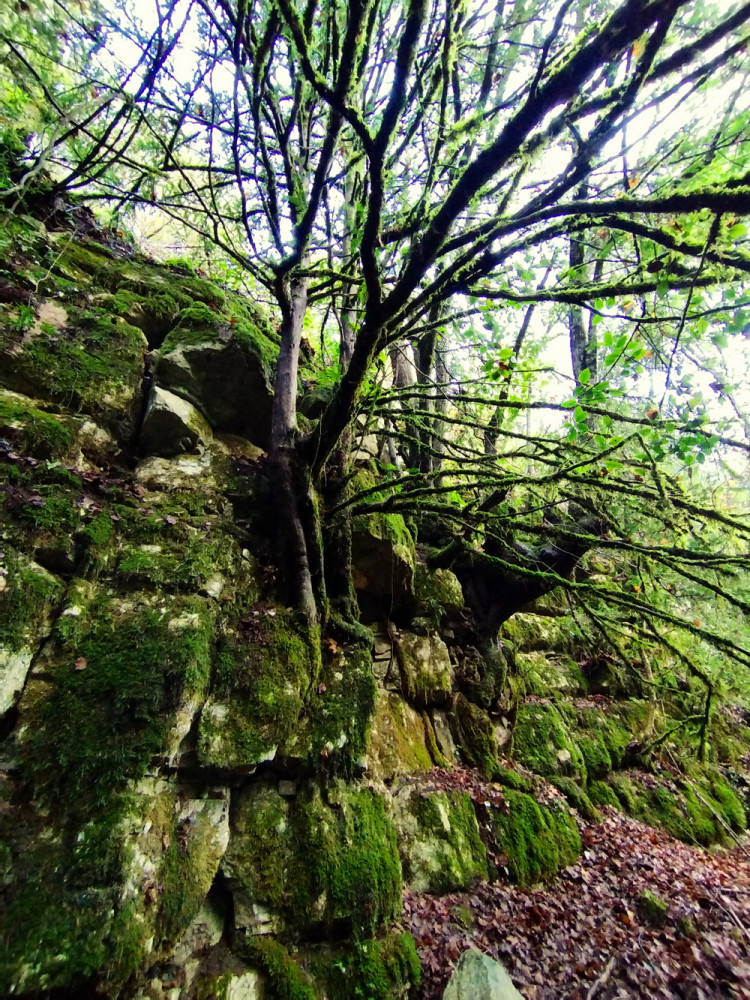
511 779
601 794
385 969
397 738
99 531
340 709
352 859
287 980
265 668
595 755
652 908
578 799
693 812
529 632
195 319
383 551
447 852
475 735
25 601
117 670
97 368
438 593
315 863
542 743
33 431
730 803
537 840
64 923
483 676
431 742
187 557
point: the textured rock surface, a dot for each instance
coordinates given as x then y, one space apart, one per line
477 977
198 797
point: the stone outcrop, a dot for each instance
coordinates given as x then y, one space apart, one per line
198 798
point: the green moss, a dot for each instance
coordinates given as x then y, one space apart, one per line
352 858
595 755
652 908
97 369
537 840
475 735
385 969
33 431
542 743
287 980
511 779
64 922
447 852
25 601
730 804
99 531
578 799
340 709
397 738
117 670
316 863
601 794
692 811
265 668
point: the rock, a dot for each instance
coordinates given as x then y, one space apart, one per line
171 425
438 838
426 669
477 977
443 736
397 739
226 380
27 593
438 592
247 986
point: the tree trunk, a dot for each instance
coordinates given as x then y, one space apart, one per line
290 485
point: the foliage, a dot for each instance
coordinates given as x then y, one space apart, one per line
434 197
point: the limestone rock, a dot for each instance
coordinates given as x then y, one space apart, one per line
383 559
171 425
426 669
478 977
397 739
438 592
439 840
27 593
226 379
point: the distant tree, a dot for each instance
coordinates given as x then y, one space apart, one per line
434 185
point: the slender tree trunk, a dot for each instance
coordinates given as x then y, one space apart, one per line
289 478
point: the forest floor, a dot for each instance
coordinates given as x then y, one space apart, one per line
589 935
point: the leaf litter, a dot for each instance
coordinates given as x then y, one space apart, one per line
590 933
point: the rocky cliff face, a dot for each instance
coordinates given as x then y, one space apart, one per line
192 804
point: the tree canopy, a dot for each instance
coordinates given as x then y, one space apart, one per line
429 197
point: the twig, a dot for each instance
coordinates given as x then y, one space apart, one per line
602 980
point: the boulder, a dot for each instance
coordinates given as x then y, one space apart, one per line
477 977
171 425
226 379
425 668
438 838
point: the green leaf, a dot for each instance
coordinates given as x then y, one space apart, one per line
585 376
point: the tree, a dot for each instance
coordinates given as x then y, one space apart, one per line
419 179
